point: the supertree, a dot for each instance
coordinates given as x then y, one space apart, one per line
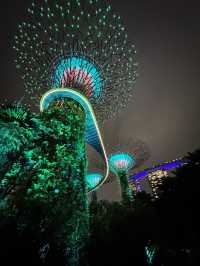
80 45
132 146
120 164
125 156
92 179
77 50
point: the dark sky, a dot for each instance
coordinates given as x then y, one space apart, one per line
164 111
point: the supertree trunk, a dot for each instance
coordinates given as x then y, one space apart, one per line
94 196
74 219
126 191
76 226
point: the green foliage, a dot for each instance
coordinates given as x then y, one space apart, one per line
14 113
120 233
43 178
13 138
126 191
178 212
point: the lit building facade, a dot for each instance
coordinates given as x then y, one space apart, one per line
155 180
154 176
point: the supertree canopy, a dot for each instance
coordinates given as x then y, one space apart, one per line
125 156
92 180
121 162
80 45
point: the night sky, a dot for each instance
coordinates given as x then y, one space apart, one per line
164 111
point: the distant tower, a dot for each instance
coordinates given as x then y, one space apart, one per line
78 50
120 164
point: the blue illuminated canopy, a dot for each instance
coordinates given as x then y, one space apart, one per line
121 162
92 180
74 70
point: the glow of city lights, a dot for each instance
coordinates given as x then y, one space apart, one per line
163 167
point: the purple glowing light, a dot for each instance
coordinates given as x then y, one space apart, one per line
164 167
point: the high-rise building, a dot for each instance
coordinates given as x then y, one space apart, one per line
151 178
156 179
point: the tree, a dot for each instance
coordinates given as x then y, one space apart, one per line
43 188
178 210
119 233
